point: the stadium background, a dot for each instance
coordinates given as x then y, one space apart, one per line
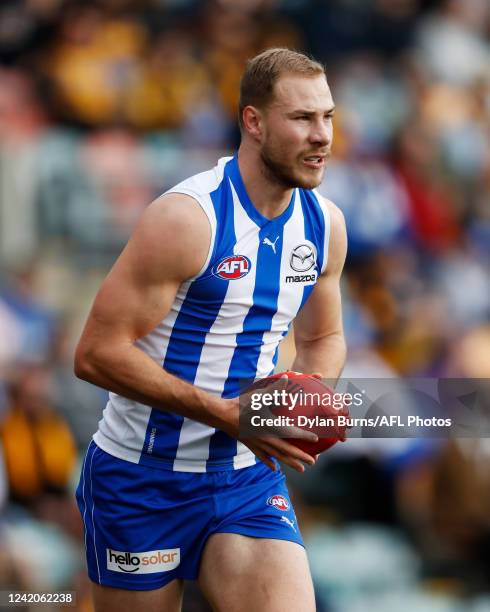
104 105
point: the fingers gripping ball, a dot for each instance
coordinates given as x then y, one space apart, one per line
314 399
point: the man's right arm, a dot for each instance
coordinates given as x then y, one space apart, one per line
169 246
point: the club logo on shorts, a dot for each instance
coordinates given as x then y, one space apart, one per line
233 267
279 502
149 562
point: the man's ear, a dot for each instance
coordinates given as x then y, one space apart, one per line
252 121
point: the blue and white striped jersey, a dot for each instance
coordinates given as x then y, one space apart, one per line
226 323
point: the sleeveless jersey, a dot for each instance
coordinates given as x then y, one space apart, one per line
226 323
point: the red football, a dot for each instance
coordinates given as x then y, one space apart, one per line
329 407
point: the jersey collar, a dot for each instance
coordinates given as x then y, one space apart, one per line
233 172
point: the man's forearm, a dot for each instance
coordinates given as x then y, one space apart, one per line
128 371
325 356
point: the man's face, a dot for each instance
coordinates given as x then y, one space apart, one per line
297 131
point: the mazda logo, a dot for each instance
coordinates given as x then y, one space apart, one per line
302 258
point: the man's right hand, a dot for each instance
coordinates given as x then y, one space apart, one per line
267 446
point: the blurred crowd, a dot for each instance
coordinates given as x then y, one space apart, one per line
103 106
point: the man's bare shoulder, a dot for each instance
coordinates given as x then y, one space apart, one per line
173 232
337 219
176 212
337 249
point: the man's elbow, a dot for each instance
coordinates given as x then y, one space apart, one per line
344 351
339 340
84 365
335 344
342 343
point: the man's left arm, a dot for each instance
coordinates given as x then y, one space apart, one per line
318 329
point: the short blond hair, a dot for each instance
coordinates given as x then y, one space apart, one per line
263 71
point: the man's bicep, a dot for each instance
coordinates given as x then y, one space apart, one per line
169 245
322 313
127 306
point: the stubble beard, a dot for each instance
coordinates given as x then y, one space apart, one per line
283 174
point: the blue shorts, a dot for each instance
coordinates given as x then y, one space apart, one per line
146 526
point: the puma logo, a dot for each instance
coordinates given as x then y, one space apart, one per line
285 519
271 244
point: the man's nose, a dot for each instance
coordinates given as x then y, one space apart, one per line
321 133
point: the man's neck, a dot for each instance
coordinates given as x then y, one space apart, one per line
269 197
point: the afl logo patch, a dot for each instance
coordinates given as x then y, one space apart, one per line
233 267
279 502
